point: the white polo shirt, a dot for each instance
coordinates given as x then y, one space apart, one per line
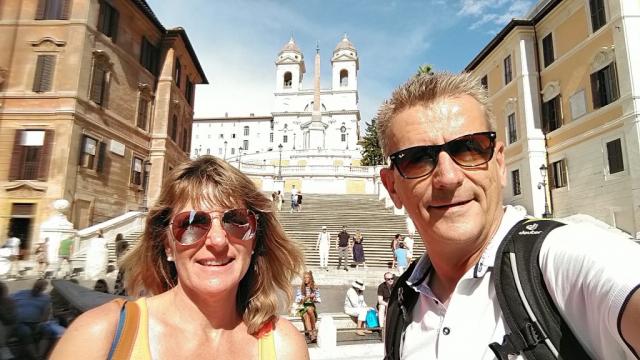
589 273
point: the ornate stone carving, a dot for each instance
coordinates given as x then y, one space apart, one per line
551 90
604 57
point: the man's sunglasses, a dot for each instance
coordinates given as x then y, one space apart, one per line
191 227
467 151
389 279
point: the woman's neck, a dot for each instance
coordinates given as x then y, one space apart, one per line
212 312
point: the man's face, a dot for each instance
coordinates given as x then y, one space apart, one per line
453 206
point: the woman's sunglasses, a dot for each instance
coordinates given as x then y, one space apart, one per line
467 151
191 227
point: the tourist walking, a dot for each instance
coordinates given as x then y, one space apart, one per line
322 245
408 243
42 256
402 261
299 201
358 250
64 256
280 200
13 244
97 257
342 244
394 246
294 199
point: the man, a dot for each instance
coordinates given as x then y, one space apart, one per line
13 243
356 307
294 199
448 171
342 244
33 329
323 244
64 255
384 293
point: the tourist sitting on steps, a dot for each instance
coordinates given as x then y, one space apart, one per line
307 296
355 306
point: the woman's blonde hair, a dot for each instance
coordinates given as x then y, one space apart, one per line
209 182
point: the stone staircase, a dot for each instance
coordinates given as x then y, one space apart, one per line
132 238
364 212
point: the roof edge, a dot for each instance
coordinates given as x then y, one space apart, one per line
183 34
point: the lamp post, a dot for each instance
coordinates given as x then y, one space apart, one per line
543 185
225 150
280 162
239 157
347 141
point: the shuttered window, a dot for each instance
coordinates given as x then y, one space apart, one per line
188 91
43 78
31 155
136 171
614 156
604 86
53 9
178 72
143 112
92 154
108 20
98 93
149 55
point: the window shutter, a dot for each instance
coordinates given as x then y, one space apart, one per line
44 73
83 140
102 153
45 155
97 84
16 157
113 25
66 9
42 4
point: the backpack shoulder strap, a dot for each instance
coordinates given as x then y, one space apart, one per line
126 332
536 328
403 299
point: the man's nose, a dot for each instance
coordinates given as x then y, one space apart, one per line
447 173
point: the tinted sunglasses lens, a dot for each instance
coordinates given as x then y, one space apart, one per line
417 161
240 223
472 150
190 226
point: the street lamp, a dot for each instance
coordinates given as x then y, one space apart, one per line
239 156
280 162
543 185
347 141
225 149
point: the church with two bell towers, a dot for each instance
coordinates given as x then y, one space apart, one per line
317 118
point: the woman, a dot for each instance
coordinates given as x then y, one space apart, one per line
215 258
358 250
42 256
307 297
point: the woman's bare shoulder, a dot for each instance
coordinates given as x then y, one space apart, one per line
90 335
289 341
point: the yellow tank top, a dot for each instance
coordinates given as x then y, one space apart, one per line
141 351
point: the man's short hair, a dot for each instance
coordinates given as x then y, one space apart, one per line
426 89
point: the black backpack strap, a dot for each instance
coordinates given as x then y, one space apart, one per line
403 299
536 328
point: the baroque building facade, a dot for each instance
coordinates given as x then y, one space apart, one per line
310 139
96 106
564 85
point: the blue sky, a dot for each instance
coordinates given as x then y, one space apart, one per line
237 42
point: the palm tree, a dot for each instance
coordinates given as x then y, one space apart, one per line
425 69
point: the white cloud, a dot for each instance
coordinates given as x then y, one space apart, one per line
493 12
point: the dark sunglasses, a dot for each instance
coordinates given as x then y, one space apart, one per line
191 227
467 151
388 279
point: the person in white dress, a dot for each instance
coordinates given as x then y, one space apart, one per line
97 256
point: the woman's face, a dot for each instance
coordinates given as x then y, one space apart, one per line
216 263
307 278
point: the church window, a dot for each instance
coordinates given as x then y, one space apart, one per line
245 144
287 80
246 131
270 137
343 137
344 78
343 129
285 138
233 136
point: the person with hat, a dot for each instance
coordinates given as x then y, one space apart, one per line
323 244
355 306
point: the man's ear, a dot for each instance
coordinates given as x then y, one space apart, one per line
502 169
388 180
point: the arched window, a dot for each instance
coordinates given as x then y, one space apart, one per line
344 77
287 80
